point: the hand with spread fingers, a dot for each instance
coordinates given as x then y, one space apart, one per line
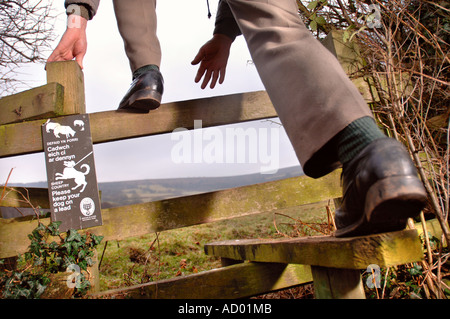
213 59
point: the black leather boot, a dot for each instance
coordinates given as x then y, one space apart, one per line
145 93
381 190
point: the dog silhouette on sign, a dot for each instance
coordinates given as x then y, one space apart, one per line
70 172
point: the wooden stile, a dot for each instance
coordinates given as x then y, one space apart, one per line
333 264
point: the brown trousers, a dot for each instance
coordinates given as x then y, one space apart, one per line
139 34
311 93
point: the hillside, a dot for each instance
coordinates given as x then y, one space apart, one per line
132 192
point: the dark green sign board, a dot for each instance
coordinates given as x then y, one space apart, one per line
72 181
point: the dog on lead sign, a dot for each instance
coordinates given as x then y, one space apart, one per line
73 190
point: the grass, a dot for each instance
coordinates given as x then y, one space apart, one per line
180 252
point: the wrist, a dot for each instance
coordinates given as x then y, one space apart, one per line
76 22
223 38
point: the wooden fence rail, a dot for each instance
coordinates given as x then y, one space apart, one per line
145 218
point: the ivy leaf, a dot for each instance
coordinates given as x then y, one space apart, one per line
68 247
38 261
28 256
90 262
68 261
96 239
81 254
73 236
40 289
54 228
75 246
36 233
416 270
58 261
53 245
83 264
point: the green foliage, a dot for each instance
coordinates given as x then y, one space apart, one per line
402 282
179 252
45 256
405 282
315 20
23 285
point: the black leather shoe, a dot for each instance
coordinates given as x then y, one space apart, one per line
145 93
381 190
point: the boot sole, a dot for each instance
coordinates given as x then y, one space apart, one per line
142 101
389 203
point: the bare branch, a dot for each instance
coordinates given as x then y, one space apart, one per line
26 29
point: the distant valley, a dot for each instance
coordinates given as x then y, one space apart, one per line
132 192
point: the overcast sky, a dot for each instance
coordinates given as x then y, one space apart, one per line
182 30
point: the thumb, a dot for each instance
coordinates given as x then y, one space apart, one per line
198 57
79 58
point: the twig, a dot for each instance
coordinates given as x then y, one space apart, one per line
6 183
299 221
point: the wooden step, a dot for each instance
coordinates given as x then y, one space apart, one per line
384 250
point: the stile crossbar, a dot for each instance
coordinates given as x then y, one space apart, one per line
250 267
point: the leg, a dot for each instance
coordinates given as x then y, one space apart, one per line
324 114
137 23
312 94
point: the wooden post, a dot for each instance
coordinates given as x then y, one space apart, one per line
334 283
38 103
69 75
348 55
94 275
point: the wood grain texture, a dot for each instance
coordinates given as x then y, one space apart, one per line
71 77
237 281
25 138
38 103
139 219
384 250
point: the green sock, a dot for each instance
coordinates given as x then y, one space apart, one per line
144 69
355 137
